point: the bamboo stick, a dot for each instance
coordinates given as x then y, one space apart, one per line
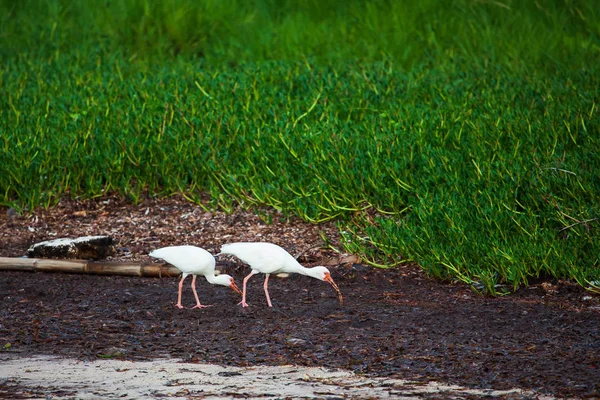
88 267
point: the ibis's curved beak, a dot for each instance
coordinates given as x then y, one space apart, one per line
234 287
329 280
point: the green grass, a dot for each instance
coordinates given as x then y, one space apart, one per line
461 135
485 32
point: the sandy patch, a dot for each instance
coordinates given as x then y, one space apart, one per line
50 377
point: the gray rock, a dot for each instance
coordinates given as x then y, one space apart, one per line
83 248
12 213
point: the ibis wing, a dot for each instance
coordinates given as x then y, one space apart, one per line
264 257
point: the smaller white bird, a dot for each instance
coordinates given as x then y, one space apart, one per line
269 258
192 260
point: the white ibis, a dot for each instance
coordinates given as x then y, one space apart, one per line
195 261
269 258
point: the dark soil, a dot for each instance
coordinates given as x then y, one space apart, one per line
394 323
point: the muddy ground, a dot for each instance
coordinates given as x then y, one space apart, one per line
393 323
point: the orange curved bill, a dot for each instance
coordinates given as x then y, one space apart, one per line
329 280
235 288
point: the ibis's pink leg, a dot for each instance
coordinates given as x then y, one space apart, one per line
178 305
267 290
198 305
243 302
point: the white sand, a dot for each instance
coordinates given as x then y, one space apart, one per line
58 378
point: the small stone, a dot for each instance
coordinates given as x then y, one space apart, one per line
12 213
359 267
296 341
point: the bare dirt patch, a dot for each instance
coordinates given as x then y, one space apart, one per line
393 324
58 378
